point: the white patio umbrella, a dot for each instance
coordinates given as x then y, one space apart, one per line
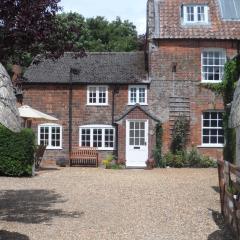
27 112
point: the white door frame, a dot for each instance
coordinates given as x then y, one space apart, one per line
141 151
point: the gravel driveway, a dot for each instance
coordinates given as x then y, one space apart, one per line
80 203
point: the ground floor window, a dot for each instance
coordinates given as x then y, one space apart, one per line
50 135
212 128
99 136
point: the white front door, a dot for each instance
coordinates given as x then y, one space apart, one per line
136 143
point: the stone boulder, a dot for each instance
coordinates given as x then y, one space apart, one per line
9 115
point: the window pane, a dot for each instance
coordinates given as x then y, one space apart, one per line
206 131
102 95
205 139
44 136
141 95
92 95
213 140
206 123
97 137
109 138
85 136
133 95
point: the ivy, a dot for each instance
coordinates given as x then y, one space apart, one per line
179 136
226 89
157 152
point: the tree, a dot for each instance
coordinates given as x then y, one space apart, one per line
25 27
97 34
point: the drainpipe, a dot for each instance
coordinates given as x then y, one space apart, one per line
70 113
114 91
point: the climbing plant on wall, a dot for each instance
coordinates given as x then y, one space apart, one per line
226 89
157 152
179 136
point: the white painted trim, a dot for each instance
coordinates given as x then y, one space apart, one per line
137 93
127 144
97 95
50 125
222 50
195 13
98 126
210 145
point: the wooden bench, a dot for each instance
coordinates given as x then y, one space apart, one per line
85 157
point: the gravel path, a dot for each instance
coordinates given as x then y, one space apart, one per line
79 203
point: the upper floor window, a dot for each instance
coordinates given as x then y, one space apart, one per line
99 136
213 61
195 14
50 135
137 94
97 95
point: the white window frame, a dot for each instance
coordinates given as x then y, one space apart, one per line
97 95
99 126
219 50
220 145
50 126
137 97
195 14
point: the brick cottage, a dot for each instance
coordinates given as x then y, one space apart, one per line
113 101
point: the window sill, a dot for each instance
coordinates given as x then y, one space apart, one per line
211 81
211 146
196 24
52 148
103 149
97 105
142 104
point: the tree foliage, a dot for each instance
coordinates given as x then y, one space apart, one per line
25 27
98 34
29 27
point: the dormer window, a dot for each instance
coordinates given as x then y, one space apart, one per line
195 14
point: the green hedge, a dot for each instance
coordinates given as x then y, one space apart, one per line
16 152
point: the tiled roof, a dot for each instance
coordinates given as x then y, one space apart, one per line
168 23
96 68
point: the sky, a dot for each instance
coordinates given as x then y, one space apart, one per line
132 10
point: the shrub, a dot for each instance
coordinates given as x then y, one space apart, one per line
16 152
175 160
193 158
188 159
207 162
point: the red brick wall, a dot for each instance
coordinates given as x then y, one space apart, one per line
187 79
53 100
